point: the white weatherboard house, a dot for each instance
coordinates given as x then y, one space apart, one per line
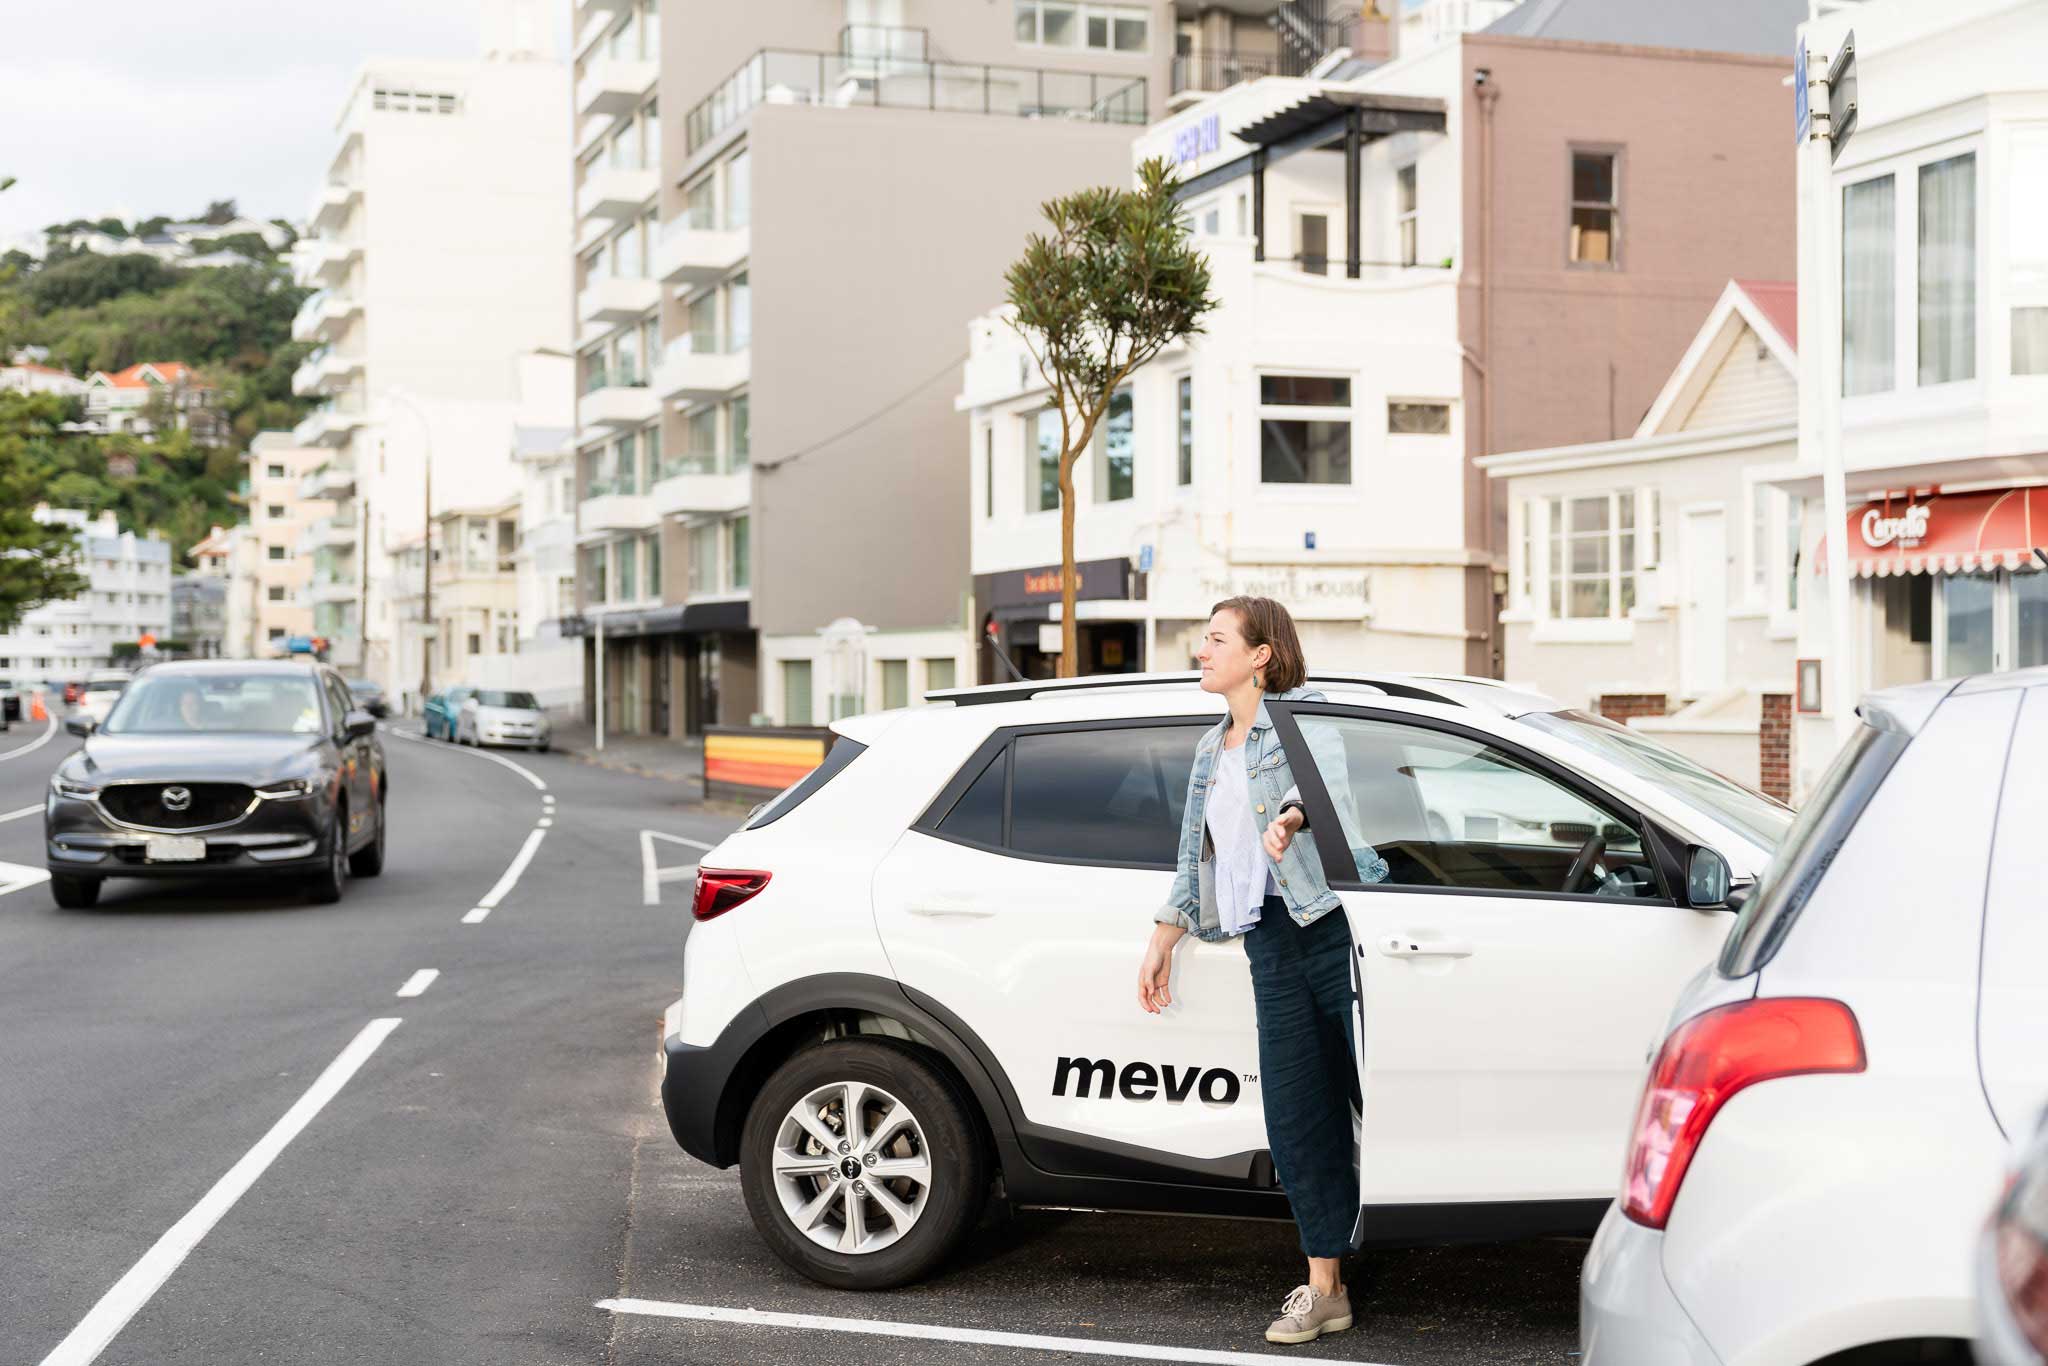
1659 573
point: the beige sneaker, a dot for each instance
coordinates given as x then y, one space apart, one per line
1308 1314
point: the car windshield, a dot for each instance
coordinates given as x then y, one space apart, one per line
363 685
256 703
1752 813
522 701
113 685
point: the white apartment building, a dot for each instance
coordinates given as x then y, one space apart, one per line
1940 260
546 662
279 560
437 241
127 597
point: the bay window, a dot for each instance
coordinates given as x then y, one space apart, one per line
1948 270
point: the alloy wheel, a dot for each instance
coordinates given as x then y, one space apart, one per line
851 1167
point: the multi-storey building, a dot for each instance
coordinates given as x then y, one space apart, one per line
1497 240
767 439
127 597
474 610
548 663
437 240
278 561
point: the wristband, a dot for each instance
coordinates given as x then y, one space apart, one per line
1295 805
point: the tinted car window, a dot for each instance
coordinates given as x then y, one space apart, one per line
493 698
978 815
1104 795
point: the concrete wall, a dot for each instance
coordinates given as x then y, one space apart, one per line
876 233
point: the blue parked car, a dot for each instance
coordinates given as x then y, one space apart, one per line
441 709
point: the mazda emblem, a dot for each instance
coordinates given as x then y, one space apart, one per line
176 798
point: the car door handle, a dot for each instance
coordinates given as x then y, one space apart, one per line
1403 946
947 906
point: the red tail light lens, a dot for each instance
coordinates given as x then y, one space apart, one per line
2023 1275
1708 1059
721 889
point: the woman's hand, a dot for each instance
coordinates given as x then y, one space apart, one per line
1153 992
1281 832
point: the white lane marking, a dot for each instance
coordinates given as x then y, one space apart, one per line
1031 1342
419 981
546 822
24 811
521 769
513 870
476 916
49 733
147 1276
16 876
652 875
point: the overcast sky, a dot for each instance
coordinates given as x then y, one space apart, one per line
129 109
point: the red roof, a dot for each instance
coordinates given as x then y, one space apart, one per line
1778 301
166 371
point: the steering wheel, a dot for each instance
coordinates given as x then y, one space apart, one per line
1582 863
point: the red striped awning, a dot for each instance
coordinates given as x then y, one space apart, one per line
1944 533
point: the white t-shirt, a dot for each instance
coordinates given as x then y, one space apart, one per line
1244 875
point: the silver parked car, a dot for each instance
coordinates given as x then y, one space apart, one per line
493 716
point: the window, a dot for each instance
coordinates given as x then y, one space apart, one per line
629 570
1592 555
739 431
593 573
650 559
1404 212
796 692
1312 243
1107 795
704 558
1795 511
1868 327
939 674
1184 474
739 191
988 472
475 642
1966 606
1109 29
895 683
1042 461
274 633
273 472
702 320
1948 270
700 204
276 592
1296 448
1419 419
1115 471
650 457
700 441
978 815
1759 535
741 563
2026 248
1596 209
1448 810
739 313
277 552
2030 634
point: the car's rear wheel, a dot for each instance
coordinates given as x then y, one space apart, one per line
74 893
862 1164
332 880
368 861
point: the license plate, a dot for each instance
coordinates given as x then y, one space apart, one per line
174 849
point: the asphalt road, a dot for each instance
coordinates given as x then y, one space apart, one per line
497 1164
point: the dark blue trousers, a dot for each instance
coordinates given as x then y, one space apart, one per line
1301 986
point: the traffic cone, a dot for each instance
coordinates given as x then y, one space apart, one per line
36 710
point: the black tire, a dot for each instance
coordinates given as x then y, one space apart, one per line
958 1164
332 881
541 748
368 861
74 893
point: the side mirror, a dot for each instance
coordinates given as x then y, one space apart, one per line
1707 879
360 723
80 725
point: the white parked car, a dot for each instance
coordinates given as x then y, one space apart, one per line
103 688
2012 1265
494 716
911 974
1829 1114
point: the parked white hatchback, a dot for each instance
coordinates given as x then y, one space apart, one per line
1829 1114
909 980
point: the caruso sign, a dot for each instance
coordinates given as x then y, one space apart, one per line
1905 530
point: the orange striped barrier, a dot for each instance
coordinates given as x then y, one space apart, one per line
752 762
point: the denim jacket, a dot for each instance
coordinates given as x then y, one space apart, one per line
1298 872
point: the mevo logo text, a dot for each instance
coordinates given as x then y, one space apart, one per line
1097 1078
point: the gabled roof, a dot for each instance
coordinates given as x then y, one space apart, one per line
143 374
36 369
1778 301
1768 308
1764 28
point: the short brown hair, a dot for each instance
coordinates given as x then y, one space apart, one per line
1265 622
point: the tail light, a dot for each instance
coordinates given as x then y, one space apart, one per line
1708 1059
721 889
2019 1250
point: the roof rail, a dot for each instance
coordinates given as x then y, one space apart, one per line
1415 687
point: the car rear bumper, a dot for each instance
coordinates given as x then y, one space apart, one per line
1628 1315
695 1077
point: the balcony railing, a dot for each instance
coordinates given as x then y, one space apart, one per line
705 344
599 377
784 76
1212 71
705 462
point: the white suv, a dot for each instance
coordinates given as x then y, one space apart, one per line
911 977
1829 1116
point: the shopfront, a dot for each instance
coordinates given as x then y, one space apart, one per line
1019 614
1947 584
669 670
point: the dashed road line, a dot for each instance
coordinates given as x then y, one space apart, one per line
933 1332
419 981
135 1289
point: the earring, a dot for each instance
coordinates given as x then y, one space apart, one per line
1258 682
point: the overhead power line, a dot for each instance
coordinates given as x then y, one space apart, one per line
891 406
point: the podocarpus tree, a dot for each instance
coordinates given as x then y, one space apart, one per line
1113 283
38 562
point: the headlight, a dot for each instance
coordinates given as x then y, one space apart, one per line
71 787
286 791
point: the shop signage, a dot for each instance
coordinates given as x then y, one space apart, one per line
1109 579
1197 140
1326 594
1905 530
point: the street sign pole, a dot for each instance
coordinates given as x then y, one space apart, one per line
1824 144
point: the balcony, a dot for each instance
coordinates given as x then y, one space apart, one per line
701 483
331 203
586 8
614 192
608 404
321 316
325 371
329 533
616 300
603 511
689 253
699 366
331 424
335 479
327 259
614 85
1197 75
878 80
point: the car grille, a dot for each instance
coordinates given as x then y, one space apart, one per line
143 804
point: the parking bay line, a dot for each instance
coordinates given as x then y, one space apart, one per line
652 876
16 876
1031 1342
135 1289
498 893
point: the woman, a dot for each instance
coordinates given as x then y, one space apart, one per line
1249 868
